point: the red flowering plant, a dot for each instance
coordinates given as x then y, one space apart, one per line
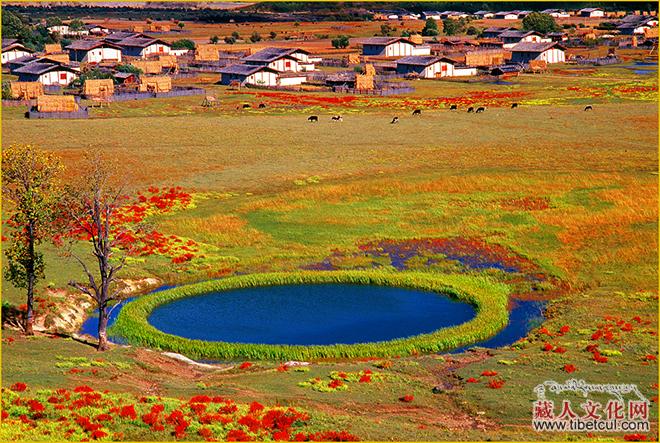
85 414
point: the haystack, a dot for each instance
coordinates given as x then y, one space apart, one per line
369 70
57 103
651 33
353 58
148 66
153 27
207 53
156 84
52 48
538 65
168 61
416 39
59 58
484 58
365 82
99 88
165 28
26 90
138 28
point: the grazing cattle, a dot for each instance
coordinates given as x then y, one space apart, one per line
417 112
480 109
588 108
246 106
470 109
262 105
514 105
337 118
453 107
394 120
312 118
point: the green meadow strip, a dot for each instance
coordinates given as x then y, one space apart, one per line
488 298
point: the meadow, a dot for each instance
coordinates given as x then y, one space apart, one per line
557 203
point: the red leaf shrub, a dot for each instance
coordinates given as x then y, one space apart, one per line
18 387
407 398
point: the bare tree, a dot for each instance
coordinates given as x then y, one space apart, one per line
92 208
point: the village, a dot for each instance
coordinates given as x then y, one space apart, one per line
329 221
101 64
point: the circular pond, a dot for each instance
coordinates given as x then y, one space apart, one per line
311 314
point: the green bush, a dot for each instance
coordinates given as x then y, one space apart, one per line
488 297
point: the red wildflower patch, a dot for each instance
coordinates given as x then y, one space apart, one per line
282 368
496 384
564 329
649 357
256 407
366 378
238 435
98 434
472 380
245 365
634 437
200 399
334 384
407 398
18 387
547 347
35 406
599 358
570 368
281 436
559 350
83 388
489 373
128 412
205 433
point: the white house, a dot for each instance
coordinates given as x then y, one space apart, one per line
393 47
431 67
507 15
46 73
591 12
11 50
512 38
142 46
282 59
97 29
551 52
93 51
258 75
484 14
66 31
435 15
556 13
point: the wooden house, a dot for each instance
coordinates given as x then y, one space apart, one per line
550 52
46 73
12 50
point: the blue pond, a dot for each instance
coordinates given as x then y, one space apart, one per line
323 314
310 314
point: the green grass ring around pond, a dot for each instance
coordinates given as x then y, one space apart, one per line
489 299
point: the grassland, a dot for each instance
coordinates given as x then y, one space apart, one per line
569 195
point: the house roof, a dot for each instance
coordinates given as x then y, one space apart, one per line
384 41
506 12
10 44
498 29
423 60
121 35
38 68
87 45
535 47
123 75
517 34
590 9
140 42
8 41
271 54
242 69
507 68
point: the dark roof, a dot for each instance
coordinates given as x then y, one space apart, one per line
121 35
8 41
506 68
590 9
271 54
498 29
556 34
423 60
14 45
535 47
245 69
94 26
39 68
384 41
515 34
140 42
631 25
123 75
86 45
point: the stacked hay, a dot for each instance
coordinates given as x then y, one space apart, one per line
153 27
207 53
651 33
26 90
99 88
52 48
416 39
168 61
165 28
57 103
487 57
59 58
538 65
148 66
156 84
138 28
369 70
365 82
353 58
